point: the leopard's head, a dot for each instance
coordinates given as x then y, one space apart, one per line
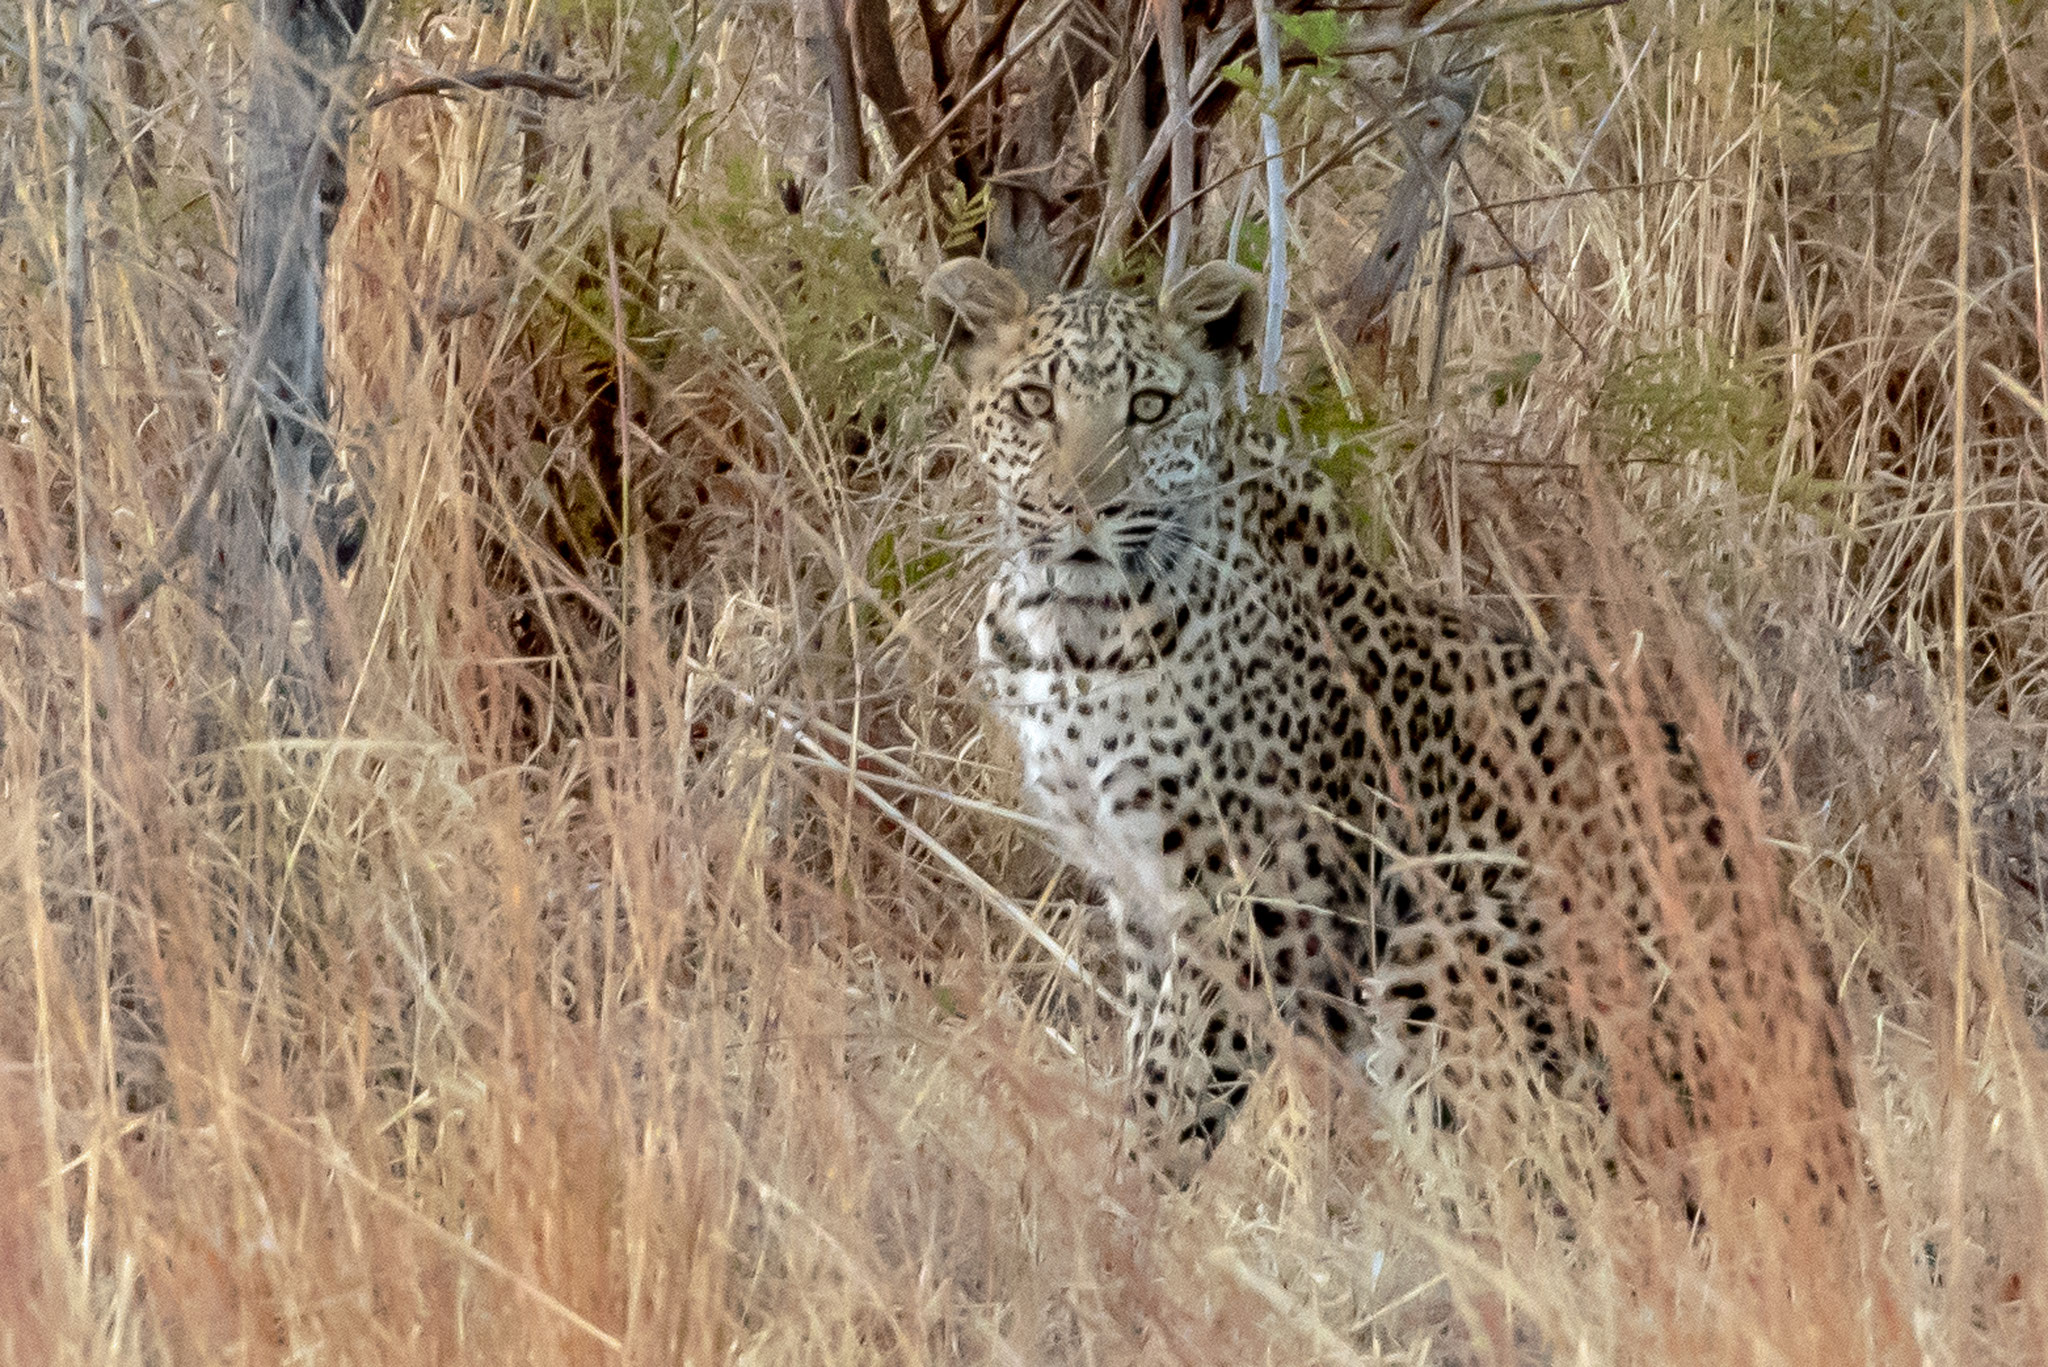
1096 414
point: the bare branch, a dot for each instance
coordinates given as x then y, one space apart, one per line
1523 259
1209 60
1431 135
1276 195
1351 146
481 78
821 31
937 28
183 537
1173 61
1397 31
1515 14
1216 182
992 42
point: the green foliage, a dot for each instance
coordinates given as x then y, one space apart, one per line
1321 32
841 322
1330 423
1697 402
1510 383
892 575
813 308
1324 416
1834 51
1137 269
1254 240
1245 78
583 323
791 316
963 215
1823 62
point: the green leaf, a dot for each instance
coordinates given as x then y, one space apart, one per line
1252 243
1320 31
1510 384
962 215
893 576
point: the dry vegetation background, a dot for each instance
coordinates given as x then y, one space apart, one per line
637 968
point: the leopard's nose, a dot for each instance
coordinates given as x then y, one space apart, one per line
1080 514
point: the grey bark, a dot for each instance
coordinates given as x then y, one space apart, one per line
274 554
828 51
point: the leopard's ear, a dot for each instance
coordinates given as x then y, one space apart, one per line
978 311
1217 305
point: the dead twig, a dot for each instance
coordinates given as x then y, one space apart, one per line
1202 79
1523 259
124 604
1173 59
1398 32
1429 132
880 74
827 46
998 33
1350 147
456 83
1276 194
1215 183
937 29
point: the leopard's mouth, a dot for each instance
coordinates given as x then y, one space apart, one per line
1139 541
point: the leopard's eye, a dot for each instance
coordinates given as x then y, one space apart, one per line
1150 405
1034 401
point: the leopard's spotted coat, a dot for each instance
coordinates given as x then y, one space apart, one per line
1440 846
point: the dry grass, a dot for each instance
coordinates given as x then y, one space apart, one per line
639 973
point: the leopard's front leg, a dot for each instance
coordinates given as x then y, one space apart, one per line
1194 1047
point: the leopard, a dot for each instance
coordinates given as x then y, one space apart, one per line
1442 845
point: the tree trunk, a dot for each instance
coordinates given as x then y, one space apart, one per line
881 75
1032 180
273 553
828 49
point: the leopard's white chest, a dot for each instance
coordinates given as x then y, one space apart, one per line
1078 735
1109 681
1093 749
